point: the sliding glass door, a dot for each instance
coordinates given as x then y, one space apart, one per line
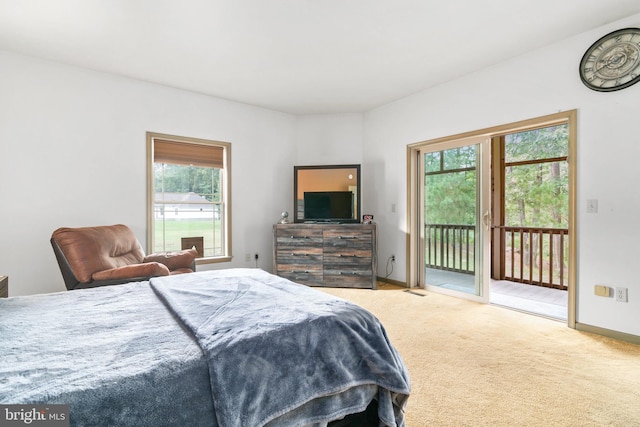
455 219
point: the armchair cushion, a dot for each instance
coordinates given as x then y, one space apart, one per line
149 269
174 260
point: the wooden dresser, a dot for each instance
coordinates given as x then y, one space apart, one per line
333 255
4 286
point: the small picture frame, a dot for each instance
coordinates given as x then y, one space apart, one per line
367 219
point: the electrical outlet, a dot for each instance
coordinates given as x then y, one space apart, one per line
393 258
255 256
621 295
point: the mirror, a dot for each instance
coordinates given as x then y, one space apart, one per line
326 193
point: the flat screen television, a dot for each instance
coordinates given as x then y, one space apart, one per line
332 206
326 193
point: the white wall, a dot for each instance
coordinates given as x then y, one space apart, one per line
73 153
326 139
536 84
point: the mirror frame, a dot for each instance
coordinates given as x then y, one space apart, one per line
296 169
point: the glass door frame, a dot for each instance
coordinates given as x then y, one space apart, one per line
414 234
482 238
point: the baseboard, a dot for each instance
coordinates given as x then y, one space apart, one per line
392 282
621 336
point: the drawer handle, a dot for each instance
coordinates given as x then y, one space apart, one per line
346 237
301 237
344 273
300 271
349 256
294 254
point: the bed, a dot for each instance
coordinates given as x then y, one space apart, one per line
227 348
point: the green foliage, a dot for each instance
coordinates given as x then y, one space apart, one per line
545 143
451 198
450 160
536 195
450 186
172 178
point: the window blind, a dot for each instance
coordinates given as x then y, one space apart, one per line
188 153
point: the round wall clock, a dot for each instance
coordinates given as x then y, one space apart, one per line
612 62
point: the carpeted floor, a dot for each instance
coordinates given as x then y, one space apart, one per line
480 365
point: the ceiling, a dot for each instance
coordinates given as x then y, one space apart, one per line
296 56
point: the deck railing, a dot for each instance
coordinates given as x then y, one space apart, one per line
450 247
536 256
532 255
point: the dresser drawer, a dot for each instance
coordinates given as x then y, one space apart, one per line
342 262
348 242
354 278
306 277
299 258
288 238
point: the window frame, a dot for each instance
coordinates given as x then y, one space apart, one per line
225 199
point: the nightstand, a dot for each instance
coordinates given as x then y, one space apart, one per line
4 286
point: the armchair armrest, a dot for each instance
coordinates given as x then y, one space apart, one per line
150 269
174 260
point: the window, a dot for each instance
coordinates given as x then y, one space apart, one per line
189 196
536 178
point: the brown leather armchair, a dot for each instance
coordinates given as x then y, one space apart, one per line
111 255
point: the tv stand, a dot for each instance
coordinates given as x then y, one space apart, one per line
331 255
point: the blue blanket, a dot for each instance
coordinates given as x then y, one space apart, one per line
280 353
114 354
